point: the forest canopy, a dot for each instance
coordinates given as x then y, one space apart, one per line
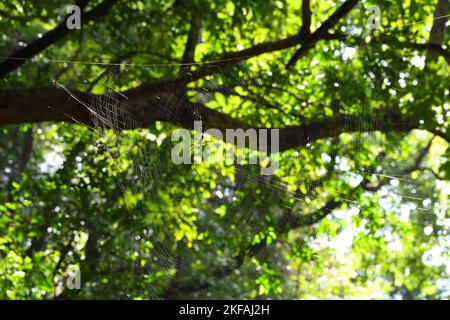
92 205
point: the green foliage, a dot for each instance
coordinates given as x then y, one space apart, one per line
72 203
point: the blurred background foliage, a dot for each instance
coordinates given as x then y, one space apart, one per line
377 202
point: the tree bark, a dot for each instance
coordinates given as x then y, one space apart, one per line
53 104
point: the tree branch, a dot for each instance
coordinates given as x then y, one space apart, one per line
38 45
306 18
437 33
191 43
322 30
52 104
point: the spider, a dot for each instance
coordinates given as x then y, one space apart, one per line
199 117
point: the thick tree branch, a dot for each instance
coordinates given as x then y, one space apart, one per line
191 43
437 33
322 30
306 18
53 104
